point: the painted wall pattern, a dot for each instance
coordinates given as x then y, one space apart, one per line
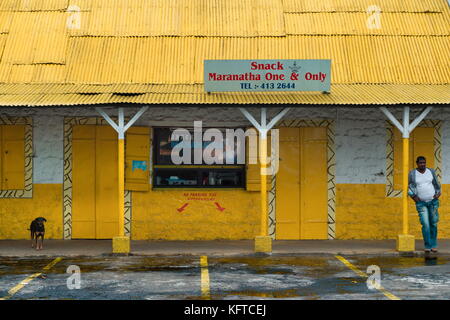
331 170
69 122
128 206
272 207
27 192
427 123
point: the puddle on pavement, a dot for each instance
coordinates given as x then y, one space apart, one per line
432 261
131 264
281 265
387 263
274 260
321 270
314 291
22 266
415 262
96 264
327 275
289 293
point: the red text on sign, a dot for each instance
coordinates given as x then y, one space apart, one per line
266 66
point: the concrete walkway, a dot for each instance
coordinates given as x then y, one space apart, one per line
22 248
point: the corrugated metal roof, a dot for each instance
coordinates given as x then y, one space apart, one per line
342 94
36 37
33 5
36 73
177 60
154 46
362 5
5 21
246 18
356 23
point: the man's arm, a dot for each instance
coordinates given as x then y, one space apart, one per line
412 187
436 184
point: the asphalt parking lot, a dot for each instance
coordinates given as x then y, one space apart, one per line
311 277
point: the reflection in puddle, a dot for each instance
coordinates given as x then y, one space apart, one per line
400 262
431 261
252 293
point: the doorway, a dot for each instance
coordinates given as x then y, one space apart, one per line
301 184
94 182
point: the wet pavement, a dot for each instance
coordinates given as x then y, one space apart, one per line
311 277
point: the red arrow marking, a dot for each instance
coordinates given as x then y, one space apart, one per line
183 207
219 207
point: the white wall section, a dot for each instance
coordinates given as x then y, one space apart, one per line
360 134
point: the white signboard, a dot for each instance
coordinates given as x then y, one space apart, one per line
267 75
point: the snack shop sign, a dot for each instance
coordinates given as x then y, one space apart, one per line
267 75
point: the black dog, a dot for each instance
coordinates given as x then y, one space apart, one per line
37 229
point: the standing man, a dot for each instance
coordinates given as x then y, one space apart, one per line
425 190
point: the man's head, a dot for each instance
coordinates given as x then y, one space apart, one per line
421 163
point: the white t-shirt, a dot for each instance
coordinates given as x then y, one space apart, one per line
425 188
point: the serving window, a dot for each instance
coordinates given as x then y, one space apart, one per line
226 171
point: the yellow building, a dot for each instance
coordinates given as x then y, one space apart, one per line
340 168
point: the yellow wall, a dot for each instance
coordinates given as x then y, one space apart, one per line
155 215
17 214
364 212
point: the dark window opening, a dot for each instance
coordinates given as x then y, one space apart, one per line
198 178
167 174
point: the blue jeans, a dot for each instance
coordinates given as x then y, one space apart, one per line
429 217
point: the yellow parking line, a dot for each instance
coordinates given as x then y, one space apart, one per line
354 269
27 280
204 277
51 264
363 275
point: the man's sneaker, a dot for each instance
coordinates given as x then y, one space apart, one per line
434 250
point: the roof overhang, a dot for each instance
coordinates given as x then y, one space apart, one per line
348 95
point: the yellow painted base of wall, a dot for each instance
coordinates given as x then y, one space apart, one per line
364 212
17 214
178 215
